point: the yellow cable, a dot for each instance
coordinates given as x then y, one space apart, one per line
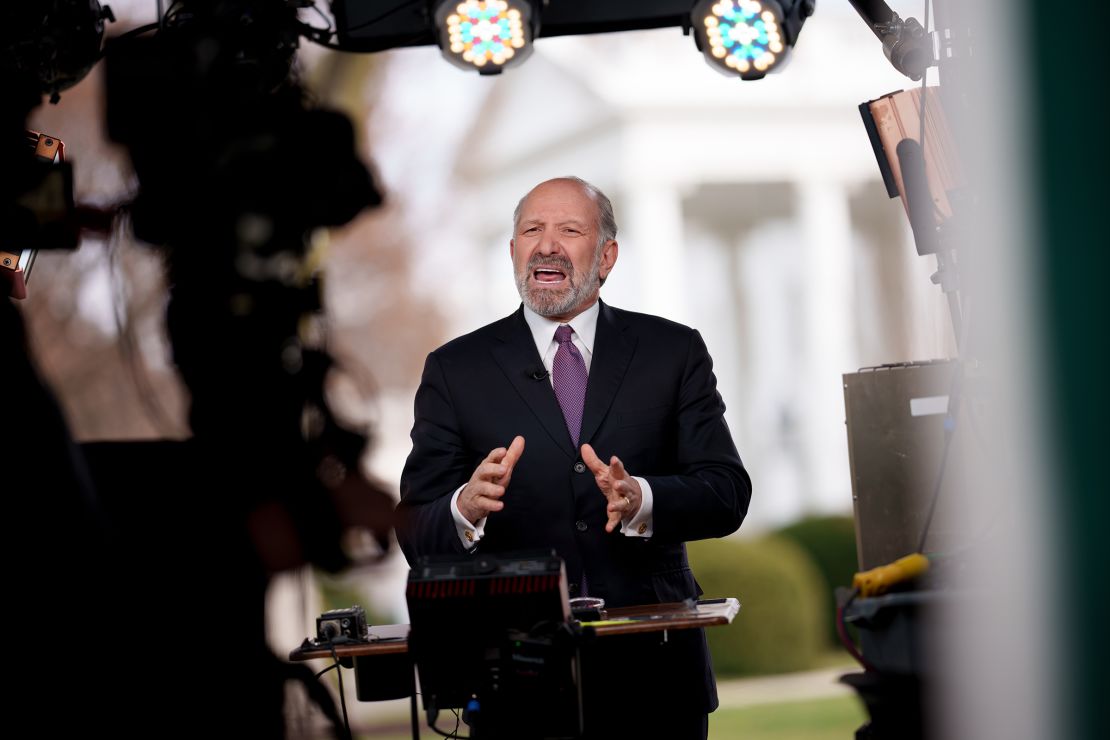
879 580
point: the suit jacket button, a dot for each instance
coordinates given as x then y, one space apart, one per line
580 525
580 467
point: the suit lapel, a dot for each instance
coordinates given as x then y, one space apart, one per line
515 352
613 350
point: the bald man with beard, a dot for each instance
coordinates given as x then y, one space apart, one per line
594 431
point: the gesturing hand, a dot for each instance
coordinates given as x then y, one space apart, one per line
482 494
620 488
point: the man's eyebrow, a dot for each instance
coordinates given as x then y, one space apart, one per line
565 222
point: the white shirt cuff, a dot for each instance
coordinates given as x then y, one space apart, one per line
469 534
642 524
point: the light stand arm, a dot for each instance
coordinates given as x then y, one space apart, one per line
905 42
926 234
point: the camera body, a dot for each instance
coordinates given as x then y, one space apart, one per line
343 625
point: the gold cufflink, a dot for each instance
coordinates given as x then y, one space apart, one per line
642 528
469 536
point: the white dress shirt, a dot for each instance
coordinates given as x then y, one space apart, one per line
543 329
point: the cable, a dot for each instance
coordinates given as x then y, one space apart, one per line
949 432
331 26
455 734
842 632
317 35
954 391
315 690
175 9
924 97
972 422
924 79
342 698
312 34
331 667
954 399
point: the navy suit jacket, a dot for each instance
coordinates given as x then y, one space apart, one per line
651 399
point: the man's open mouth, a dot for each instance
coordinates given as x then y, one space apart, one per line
548 275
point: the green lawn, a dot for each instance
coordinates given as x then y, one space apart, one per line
819 719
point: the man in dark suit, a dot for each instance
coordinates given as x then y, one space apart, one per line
594 431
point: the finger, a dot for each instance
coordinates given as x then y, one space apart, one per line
480 509
495 455
624 488
489 471
512 455
617 468
614 520
593 462
480 499
619 504
516 449
489 504
629 505
484 489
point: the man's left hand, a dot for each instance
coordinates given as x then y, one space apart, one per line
620 488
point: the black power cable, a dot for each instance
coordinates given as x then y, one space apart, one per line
845 638
342 697
955 393
454 734
323 37
924 79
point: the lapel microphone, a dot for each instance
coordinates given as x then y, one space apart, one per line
538 374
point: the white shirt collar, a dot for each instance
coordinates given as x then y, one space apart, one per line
543 328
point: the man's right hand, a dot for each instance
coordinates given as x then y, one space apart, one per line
483 493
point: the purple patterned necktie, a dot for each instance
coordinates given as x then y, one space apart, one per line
568 375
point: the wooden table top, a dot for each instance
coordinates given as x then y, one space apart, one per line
393 638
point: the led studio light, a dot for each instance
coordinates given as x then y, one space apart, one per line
747 38
485 35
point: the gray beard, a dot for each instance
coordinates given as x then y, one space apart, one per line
552 303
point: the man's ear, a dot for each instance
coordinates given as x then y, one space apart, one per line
512 248
608 258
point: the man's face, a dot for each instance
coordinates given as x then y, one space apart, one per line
556 258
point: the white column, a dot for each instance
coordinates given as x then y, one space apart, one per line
829 338
650 274
773 372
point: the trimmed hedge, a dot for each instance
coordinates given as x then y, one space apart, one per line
830 542
779 626
342 591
